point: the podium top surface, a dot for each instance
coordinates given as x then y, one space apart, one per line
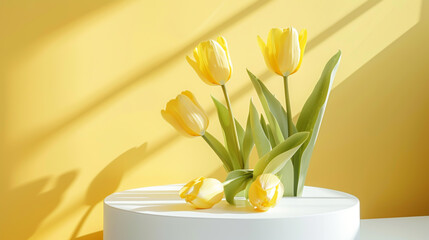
165 201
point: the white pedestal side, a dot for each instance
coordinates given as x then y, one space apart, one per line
157 213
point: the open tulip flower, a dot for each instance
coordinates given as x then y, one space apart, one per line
213 65
212 61
265 192
186 115
284 50
202 192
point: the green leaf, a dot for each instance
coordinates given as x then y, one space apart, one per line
235 182
247 143
284 151
310 120
219 149
275 130
271 136
276 109
286 176
278 162
263 125
228 130
246 190
269 105
240 133
261 141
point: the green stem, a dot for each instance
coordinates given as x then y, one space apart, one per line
288 110
231 118
291 130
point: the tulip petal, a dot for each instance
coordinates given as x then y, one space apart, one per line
193 189
191 115
289 51
222 41
202 112
181 116
262 46
278 192
192 97
265 192
268 181
210 189
186 115
219 65
195 53
204 49
202 192
173 110
172 120
185 189
274 39
196 67
272 49
302 44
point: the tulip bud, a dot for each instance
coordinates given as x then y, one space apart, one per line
202 192
284 50
265 192
186 115
212 61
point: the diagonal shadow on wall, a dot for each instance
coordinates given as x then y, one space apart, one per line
24 208
39 138
373 141
109 179
45 17
220 173
92 200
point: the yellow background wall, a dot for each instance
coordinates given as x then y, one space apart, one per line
83 83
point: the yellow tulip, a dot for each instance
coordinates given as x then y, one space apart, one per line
284 50
186 115
265 192
212 61
202 192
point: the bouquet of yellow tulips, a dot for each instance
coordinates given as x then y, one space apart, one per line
284 148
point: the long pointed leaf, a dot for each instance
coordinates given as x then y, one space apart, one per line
291 143
220 150
287 178
261 141
278 135
228 131
311 118
240 133
247 143
276 109
264 125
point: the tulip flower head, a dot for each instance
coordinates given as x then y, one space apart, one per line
202 192
265 192
284 50
212 61
186 115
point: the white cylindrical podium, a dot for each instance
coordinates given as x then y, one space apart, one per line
157 213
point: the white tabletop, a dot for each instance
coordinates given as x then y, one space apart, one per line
406 228
165 201
147 213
